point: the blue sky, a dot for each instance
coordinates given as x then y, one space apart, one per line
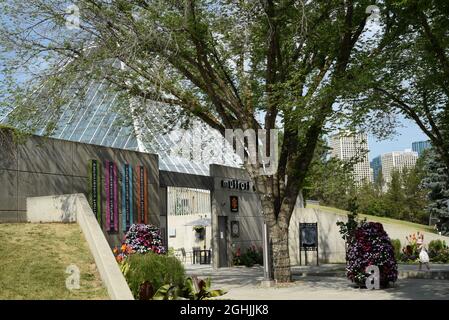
408 133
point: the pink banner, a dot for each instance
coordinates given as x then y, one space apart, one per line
111 186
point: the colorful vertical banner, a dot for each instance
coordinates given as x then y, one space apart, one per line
142 195
94 168
127 197
110 169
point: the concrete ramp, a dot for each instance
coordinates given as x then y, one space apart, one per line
75 207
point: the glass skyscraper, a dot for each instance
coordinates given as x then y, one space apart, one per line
420 146
376 165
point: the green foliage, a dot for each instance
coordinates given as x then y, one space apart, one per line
348 228
156 269
410 252
197 289
436 179
436 245
438 251
330 182
396 243
249 258
192 289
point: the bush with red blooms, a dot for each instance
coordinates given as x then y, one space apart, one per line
370 245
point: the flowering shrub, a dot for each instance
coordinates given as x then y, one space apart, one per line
253 255
370 245
410 251
123 253
144 238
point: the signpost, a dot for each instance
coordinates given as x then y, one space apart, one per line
308 239
95 189
127 197
111 196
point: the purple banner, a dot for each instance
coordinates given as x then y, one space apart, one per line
111 186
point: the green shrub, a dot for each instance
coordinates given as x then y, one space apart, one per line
438 251
396 243
155 269
250 257
437 245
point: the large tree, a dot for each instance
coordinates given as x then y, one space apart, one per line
436 180
409 72
234 64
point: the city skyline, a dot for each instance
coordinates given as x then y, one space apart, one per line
406 135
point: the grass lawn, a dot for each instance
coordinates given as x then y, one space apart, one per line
408 224
34 258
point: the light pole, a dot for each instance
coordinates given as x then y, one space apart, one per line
267 274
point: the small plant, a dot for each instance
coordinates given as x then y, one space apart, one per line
197 289
199 229
348 228
123 253
438 251
192 289
396 243
410 251
200 232
253 255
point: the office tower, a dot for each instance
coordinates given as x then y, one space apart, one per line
420 146
348 146
397 160
376 165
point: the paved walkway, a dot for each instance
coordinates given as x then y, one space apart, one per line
324 282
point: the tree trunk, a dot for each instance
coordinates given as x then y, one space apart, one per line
280 253
278 225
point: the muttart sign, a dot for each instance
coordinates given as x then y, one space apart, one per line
235 184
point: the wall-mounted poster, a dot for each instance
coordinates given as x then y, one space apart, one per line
111 189
142 195
234 201
94 168
127 197
235 229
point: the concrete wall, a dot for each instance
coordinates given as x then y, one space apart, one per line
43 166
249 215
331 245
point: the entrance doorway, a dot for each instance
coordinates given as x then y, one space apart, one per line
188 222
223 241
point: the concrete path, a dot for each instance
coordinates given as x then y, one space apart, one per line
244 283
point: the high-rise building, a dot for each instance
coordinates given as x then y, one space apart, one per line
420 146
348 146
397 160
376 165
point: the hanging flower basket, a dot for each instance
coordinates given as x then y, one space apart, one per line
199 232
